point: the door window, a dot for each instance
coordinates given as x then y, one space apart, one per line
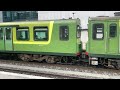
8 34
113 30
64 33
1 34
98 31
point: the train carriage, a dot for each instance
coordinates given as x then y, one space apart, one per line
104 41
48 40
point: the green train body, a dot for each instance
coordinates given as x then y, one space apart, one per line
50 37
103 43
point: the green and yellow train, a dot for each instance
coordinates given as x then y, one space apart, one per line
52 41
60 41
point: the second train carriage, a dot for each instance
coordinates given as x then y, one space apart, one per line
104 41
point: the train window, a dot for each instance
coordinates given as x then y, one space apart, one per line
22 33
8 34
64 33
1 34
113 30
78 31
41 33
98 31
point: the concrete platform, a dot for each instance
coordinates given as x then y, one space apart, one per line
9 75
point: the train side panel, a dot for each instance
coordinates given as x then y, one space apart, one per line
102 41
54 45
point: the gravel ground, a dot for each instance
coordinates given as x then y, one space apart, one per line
67 70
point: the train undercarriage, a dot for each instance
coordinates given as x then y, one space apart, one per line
83 60
105 62
46 58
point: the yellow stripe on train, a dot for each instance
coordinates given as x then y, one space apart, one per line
36 42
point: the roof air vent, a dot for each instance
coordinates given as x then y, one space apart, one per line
117 14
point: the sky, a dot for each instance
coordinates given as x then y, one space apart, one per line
83 15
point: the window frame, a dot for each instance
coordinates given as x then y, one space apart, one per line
64 34
6 33
94 32
47 32
2 34
23 30
78 31
112 24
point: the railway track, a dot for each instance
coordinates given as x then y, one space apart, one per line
13 69
51 76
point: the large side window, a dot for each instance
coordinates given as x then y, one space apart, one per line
41 33
113 30
1 34
64 33
98 31
22 33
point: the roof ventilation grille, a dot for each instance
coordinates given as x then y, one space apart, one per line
117 14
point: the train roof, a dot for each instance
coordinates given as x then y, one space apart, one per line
42 21
105 18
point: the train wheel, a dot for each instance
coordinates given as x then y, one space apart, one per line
25 57
116 66
64 60
51 60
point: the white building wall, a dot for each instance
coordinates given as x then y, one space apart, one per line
83 15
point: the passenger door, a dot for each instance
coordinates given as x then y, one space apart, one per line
2 46
113 41
6 41
97 37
